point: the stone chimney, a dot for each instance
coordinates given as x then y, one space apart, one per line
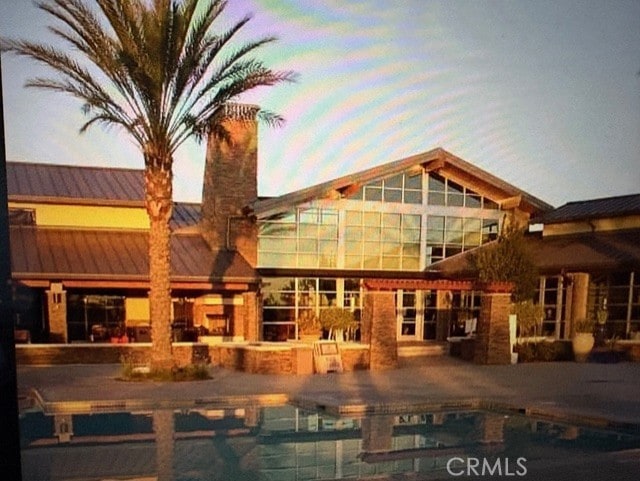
231 184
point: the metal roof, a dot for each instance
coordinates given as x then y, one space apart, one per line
587 252
48 181
50 253
593 209
185 215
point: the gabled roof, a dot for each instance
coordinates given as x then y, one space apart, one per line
608 207
92 254
586 252
60 183
433 160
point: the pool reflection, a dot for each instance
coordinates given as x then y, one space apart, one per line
286 443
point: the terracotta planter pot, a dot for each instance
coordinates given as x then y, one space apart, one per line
582 343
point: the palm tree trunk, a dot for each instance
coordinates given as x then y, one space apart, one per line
159 204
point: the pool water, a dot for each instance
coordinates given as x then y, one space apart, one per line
290 443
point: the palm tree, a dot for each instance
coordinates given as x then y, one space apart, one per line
158 70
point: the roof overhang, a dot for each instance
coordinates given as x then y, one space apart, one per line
437 160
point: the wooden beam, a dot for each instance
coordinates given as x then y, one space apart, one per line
433 165
511 202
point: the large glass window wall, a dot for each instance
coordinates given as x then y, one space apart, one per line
285 300
305 238
444 191
375 240
401 232
451 235
619 294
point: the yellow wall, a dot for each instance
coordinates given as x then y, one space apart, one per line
58 215
137 309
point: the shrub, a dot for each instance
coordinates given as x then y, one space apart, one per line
529 316
308 322
337 321
584 326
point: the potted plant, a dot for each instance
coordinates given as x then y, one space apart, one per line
583 340
309 328
337 321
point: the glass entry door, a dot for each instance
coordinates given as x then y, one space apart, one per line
409 315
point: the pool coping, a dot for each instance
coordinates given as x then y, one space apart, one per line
356 408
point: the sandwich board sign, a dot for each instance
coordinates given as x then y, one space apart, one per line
326 357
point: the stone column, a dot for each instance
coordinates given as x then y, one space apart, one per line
492 338
57 313
379 329
252 315
579 296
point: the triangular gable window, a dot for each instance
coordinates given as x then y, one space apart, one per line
403 188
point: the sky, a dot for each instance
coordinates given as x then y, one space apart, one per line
543 94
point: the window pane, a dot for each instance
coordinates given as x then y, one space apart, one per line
452 251
370 262
472 224
455 200
353 233
453 237
307 260
278 230
309 216
308 230
454 187
391 220
436 199
372 248
413 181
393 195
328 232
276 245
277 260
391 263
436 183
435 236
353 248
328 248
411 250
308 245
352 262
410 263
454 223
411 221
412 197
354 217
391 235
489 204
473 201
329 217
371 233
373 194
472 239
391 248
411 235
394 182
435 222
371 219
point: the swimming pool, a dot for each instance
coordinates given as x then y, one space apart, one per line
282 443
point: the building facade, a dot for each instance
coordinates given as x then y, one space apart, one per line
249 268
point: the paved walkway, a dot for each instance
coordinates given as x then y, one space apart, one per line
593 391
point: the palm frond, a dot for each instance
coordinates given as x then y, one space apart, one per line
158 69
